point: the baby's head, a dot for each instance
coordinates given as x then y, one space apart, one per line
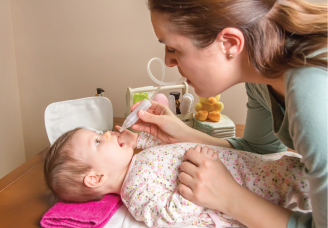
83 166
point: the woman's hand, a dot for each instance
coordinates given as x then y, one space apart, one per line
160 122
206 181
126 137
207 152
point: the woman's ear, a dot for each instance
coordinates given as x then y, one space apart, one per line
93 180
231 42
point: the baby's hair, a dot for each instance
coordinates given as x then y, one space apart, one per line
64 172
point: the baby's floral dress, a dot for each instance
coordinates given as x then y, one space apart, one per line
150 189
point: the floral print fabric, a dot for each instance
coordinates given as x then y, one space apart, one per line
150 189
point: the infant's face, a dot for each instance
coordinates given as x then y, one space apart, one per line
102 152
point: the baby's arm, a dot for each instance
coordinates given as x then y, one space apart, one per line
145 141
159 207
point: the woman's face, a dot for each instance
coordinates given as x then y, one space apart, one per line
207 69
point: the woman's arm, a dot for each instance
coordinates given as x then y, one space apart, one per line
258 134
202 138
254 211
225 194
306 105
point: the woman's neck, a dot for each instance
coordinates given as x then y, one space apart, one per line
276 85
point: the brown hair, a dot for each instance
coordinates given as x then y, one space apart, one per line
64 172
279 34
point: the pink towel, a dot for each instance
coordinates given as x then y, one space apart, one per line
91 214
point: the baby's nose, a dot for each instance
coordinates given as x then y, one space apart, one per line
108 135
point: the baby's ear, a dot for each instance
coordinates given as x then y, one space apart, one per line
94 180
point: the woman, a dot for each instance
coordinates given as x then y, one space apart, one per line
278 49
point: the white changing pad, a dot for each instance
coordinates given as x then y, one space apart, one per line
92 112
123 219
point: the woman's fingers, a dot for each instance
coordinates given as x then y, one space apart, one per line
215 156
209 153
186 185
198 148
185 191
118 128
155 108
141 127
149 118
194 157
134 106
205 150
188 168
186 179
159 109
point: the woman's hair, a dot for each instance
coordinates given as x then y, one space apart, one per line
279 34
64 172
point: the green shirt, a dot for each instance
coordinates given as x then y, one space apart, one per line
301 126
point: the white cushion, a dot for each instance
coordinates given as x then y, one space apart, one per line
90 112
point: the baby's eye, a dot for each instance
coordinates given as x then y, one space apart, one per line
97 142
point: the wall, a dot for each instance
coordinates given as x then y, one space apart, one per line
11 134
66 49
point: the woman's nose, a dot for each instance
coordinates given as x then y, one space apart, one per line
170 60
107 135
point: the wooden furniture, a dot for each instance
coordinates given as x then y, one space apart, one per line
24 195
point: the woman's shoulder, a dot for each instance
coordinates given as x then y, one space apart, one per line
303 71
308 80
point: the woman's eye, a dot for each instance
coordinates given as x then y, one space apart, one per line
97 142
169 50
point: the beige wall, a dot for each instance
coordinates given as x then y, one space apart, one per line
11 133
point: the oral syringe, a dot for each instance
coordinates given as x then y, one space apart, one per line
145 104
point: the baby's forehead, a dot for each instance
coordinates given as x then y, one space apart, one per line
84 134
81 139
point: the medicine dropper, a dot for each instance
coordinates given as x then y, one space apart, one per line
145 104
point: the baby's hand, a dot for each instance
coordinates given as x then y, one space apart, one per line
208 152
126 137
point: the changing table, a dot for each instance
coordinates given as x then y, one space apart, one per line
24 195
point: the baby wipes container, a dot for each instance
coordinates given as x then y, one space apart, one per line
90 112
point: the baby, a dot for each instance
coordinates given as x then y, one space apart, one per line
83 166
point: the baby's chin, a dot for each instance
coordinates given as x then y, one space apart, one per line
126 148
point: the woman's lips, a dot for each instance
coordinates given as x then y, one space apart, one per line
182 74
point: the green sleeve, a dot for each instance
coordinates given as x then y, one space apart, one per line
300 220
258 134
306 99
